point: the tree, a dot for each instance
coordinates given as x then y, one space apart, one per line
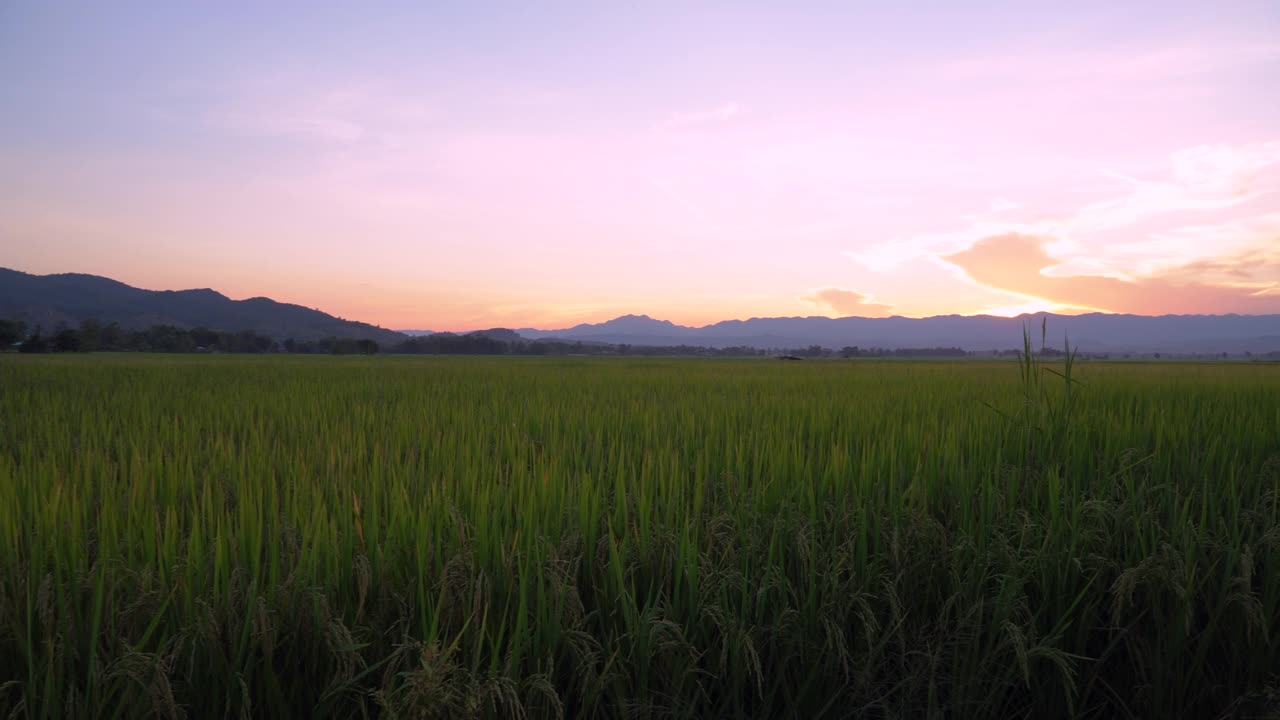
204 337
66 340
90 335
35 343
11 332
111 338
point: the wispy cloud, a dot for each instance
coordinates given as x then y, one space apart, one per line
702 117
1205 177
1208 221
1016 263
298 126
1002 204
299 105
845 302
1132 65
327 117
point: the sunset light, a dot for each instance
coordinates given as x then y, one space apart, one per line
591 360
506 167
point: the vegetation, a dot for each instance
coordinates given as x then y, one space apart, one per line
11 331
92 336
279 536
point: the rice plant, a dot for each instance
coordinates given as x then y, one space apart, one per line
218 536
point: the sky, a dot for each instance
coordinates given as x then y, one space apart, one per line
456 166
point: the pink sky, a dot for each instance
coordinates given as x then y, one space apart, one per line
465 169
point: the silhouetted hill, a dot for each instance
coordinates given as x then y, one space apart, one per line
629 325
499 334
47 300
1094 332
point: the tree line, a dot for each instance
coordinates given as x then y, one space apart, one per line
479 343
94 336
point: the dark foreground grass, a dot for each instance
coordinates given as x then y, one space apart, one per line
417 537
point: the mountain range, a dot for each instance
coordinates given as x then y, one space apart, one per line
48 300
1093 332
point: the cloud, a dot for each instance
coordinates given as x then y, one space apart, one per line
1166 250
1205 177
703 117
303 126
334 116
891 256
1201 236
339 112
847 302
1131 65
1002 204
1151 214
1017 263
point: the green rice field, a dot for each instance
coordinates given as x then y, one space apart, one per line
405 537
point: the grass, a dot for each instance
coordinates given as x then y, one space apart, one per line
235 536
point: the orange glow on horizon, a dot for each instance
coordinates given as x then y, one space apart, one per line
456 171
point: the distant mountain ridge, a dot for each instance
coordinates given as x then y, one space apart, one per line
633 324
1093 332
48 300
